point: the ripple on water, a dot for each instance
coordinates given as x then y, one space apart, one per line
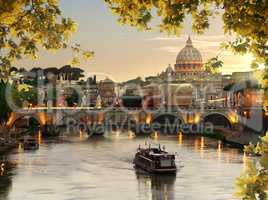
102 169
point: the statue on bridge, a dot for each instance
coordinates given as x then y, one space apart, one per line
84 101
98 102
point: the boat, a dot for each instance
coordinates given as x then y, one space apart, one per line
155 160
30 144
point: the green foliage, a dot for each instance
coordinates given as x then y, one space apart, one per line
245 20
27 25
253 182
73 98
5 109
29 95
213 65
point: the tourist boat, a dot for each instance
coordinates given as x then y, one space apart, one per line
155 160
30 144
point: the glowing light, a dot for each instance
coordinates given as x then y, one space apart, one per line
2 169
155 136
165 192
202 147
40 137
197 118
190 118
131 135
196 144
11 119
219 150
82 135
20 147
100 118
233 118
149 118
245 161
117 134
99 102
180 138
42 118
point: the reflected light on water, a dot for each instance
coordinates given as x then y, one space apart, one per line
245 161
20 154
117 134
202 147
46 165
180 139
20 147
2 169
196 144
82 135
40 137
155 135
219 150
131 135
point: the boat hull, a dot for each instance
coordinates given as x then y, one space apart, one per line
150 169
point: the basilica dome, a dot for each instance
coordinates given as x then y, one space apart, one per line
189 58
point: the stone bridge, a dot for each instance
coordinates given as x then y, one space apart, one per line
221 118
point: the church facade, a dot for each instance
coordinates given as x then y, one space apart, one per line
187 83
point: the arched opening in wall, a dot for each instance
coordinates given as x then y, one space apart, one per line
71 125
27 122
115 120
166 123
218 121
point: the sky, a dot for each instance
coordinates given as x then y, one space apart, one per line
123 52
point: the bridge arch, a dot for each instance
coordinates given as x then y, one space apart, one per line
218 120
33 120
81 117
167 122
116 119
171 116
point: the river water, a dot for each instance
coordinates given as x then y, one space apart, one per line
75 167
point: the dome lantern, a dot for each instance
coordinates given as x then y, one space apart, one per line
189 42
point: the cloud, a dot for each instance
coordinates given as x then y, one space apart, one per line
169 49
202 46
200 38
207 44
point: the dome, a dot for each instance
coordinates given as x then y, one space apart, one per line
189 54
169 69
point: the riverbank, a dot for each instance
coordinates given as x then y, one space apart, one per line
234 139
5 148
7 144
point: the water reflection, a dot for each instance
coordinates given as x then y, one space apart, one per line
155 187
219 150
40 137
5 178
101 168
180 139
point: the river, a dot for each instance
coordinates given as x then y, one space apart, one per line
75 167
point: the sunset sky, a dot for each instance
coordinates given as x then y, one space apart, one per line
122 52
